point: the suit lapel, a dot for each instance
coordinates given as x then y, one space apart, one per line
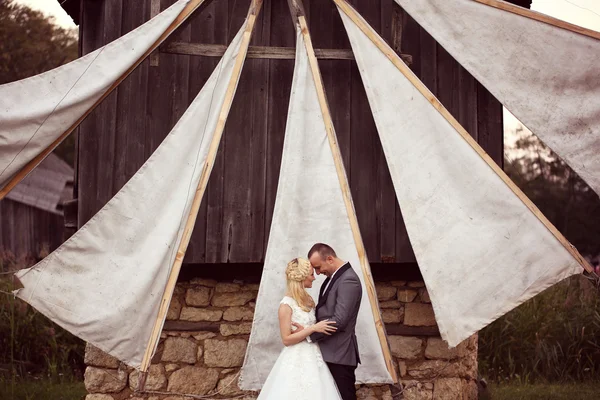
323 288
338 274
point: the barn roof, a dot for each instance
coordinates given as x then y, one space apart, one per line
46 187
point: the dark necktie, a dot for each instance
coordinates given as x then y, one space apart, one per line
325 282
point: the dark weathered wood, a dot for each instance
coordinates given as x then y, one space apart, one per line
28 231
216 248
202 28
268 52
186 326
405 330
447 81
131 111
241 194
489 124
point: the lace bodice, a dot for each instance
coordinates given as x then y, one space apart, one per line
300 316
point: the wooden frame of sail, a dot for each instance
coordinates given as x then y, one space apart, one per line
255 7
393 57
188 10
299 19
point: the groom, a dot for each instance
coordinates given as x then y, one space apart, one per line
339 301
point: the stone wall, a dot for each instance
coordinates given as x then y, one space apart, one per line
204 340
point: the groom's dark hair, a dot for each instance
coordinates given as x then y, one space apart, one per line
323 249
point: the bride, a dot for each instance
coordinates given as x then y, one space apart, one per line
300 372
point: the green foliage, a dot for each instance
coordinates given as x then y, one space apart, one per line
587 391
42 389
554 337
564 198
30 44
30 344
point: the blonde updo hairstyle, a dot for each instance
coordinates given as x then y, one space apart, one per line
296 272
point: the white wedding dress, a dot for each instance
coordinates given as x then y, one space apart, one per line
300 372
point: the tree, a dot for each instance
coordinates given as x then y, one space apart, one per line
31 43
564 198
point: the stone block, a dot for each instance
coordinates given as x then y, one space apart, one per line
390 304
434 368
419 314
97 358
193 380
424 295
198 296
447 389
228 386
204 282
417 284
156 380
236 329
224 353
223 287
179 350
438 349
232 299
407 295
98 396
174 309
100 380
385 292
200 314
414 390
402 368
204 335
238 314
405 347
171 367
392 316
398 283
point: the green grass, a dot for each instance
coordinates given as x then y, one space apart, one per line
41 390
572 391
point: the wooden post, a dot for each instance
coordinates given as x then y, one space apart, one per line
297 12
19 176
205 174
403 68
523 12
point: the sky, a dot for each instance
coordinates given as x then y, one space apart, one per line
585 13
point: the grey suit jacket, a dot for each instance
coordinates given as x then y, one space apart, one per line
340 303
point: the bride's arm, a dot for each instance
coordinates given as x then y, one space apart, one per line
285 327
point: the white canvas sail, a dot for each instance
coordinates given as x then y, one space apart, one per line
547 76
309 208
36 111
481 250
105 283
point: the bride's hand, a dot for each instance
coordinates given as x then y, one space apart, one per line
325 327
297 326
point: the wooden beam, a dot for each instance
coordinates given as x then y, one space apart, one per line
192 6
405 330
403 68
188 326
199 193
261 52
524 12
297 12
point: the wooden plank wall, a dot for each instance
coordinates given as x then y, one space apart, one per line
28 231
234 220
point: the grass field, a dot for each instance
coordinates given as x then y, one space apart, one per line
41 390
573 391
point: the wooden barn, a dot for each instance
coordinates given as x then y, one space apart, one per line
227 249
235 216
31 215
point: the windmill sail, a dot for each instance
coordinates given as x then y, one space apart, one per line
547 76
479 246
301 219
35 112
105 283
